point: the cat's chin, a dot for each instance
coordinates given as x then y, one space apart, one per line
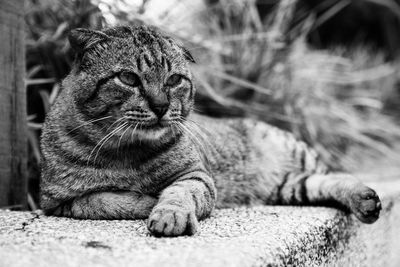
151 134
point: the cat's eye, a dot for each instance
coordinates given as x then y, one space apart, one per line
174 79
129 78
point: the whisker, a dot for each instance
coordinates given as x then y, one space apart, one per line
190 132
133 131
119 141
196 110
105 141
98 143
194 138
140 129
201 127
87 123
120 119
203 133
173 131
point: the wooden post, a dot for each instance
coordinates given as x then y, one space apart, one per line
13 128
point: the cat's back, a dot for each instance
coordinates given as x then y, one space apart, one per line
245 136
249 155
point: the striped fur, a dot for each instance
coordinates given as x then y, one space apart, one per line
113 151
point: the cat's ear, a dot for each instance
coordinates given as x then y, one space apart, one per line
188 56
83 39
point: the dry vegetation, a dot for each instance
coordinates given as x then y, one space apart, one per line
343 100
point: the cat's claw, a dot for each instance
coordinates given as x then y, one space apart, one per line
366 205
172 222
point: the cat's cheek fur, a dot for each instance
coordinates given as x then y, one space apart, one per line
82 87
186 106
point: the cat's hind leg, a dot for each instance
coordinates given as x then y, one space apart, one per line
334 189
107 205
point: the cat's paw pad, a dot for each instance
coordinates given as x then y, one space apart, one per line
172 222
366 205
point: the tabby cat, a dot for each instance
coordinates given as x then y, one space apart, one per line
120 142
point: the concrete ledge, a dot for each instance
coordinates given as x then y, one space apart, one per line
259 236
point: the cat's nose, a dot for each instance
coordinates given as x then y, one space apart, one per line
160 110
158 103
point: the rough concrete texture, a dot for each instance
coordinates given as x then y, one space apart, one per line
258 236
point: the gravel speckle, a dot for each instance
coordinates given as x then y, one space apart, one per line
258 236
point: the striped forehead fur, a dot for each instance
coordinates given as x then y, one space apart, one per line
152 45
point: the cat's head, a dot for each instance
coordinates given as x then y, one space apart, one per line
136 78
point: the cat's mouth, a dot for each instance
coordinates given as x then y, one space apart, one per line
143 121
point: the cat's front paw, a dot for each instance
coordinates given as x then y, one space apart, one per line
172 221
365 204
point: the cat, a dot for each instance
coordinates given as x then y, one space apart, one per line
122 142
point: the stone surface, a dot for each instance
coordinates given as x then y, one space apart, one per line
258 236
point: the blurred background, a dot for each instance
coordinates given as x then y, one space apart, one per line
326 70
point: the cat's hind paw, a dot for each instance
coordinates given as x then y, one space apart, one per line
172 222
365 204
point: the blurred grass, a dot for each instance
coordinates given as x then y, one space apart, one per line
254 59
